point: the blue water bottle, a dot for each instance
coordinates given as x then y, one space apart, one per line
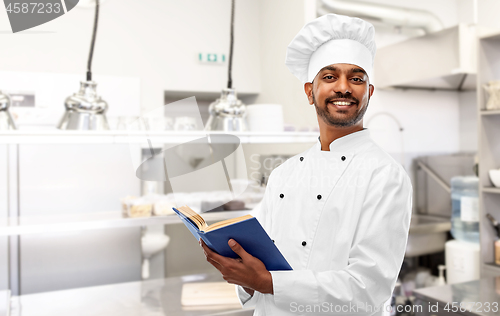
465 208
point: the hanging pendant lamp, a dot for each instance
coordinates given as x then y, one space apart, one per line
228 113
6 121
85 110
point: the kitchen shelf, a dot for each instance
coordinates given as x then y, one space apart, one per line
491 190
205 95
488 69
98 220
490 112
141 137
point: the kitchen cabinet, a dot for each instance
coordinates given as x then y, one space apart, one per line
489 148
22 227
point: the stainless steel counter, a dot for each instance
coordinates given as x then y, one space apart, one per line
147 298
479 297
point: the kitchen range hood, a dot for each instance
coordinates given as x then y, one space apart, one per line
443 60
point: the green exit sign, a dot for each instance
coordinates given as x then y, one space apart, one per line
212 58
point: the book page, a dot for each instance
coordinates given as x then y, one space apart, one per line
203 226
227 222
192 215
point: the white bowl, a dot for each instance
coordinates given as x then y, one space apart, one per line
153 243
495 177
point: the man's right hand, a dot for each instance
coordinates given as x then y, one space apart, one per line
246 271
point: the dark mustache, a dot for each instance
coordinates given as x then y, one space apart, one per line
341 96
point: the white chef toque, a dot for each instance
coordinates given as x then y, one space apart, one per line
331 39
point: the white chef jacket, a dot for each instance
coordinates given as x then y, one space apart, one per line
341 220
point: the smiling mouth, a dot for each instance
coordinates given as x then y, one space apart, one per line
341 105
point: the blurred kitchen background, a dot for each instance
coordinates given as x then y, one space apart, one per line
77 222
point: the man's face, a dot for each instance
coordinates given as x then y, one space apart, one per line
340 93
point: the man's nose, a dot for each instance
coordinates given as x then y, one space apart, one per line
342 85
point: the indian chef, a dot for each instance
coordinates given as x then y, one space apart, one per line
340 211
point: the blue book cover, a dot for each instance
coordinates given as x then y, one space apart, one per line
248 233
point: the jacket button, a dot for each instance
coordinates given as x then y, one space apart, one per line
301 158
304 243
282 195
319 196
343 158
273 240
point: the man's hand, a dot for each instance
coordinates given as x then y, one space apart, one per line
248 271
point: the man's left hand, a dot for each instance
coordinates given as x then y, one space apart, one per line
246 271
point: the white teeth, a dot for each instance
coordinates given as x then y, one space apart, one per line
342 103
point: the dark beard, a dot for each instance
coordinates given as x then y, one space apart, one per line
327 117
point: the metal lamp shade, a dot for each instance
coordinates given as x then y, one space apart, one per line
6 121
85 110
227 113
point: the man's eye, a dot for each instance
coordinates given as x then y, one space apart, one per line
357 79
328 77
